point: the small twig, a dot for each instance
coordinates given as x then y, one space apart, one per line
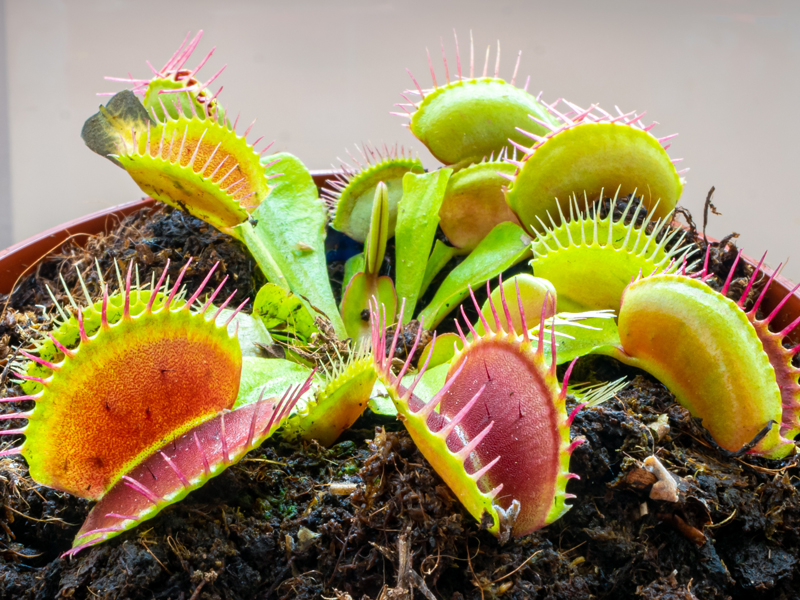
791 465
341 554
420 584
50 520
197 590
279 579
723 243
713 208
474 576
155 557
752 443
725 521
527 560
10 551
679 210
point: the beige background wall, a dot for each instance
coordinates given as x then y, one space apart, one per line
322 75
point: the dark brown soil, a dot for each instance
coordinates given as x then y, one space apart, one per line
369 518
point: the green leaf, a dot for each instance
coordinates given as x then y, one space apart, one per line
417 220
432 381
375 246
249 329
273 376
506 245
382 405
282 311
290 228
441 255
262 251
442 352
354 264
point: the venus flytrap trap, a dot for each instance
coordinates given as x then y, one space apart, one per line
708 352
590 259
350 195
470 118
177 145
474 202
199 165
183 465
186 369
587 151
174 84
342 397
497 432
775 345
537 298
536 307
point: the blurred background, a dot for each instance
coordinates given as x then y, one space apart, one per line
322 75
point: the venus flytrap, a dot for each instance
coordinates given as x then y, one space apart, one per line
590 259
722 363
498 431
585 152
145 394
351 191
474 202
464 120
192 158
199 165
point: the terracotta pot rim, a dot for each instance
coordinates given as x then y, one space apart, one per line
17 260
